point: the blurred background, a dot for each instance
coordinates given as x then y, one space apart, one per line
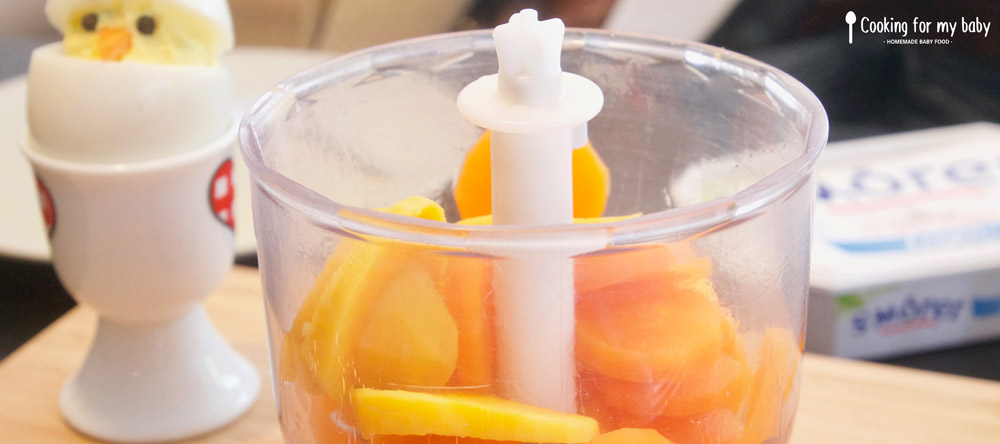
868 88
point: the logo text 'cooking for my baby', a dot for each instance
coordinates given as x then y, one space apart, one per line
917 30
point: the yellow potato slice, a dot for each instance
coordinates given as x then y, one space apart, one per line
398 412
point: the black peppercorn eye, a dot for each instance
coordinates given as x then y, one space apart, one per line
89 22
146 25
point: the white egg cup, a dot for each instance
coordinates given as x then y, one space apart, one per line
143 243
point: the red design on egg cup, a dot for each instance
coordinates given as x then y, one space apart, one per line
47 205
221 194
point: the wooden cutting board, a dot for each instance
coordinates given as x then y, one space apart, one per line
843 402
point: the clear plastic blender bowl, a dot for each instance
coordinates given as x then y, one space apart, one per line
687 320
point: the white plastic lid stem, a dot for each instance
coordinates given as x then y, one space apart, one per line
60 12
530 93
538 115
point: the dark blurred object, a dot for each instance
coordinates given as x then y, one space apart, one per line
872 87
31 298
976 361
574 13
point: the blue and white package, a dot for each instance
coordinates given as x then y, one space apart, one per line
906 243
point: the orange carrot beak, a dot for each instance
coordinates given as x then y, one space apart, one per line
113 43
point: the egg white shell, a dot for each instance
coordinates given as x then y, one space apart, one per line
59 13
115 112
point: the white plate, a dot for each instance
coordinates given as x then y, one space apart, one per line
22 234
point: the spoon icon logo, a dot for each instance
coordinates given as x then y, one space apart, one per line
850 19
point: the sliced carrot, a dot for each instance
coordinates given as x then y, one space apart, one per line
592 404
631 436
327 422
777 358
721 426
488 219
722 384
314 417
717 427
473 187
641 331
466 284
591 182
432 439
676 264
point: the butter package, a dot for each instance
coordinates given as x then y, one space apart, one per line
906 246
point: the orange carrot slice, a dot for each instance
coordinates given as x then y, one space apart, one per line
676 264
591 182
721 426
722 384
717 427
641 331
631 436
432 439
777 358
473 186
326 420
314 417
472 191
466 284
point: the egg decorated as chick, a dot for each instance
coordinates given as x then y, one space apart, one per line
132 80
183 32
